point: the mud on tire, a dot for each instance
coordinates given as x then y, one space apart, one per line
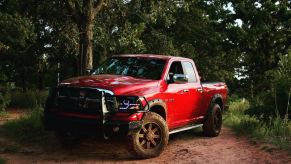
213 122
151 139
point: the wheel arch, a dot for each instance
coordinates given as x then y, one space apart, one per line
217 99
158 106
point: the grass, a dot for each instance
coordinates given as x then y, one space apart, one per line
27 128
29 99
2 161
3 114
275 131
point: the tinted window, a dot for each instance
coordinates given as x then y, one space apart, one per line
189 70
146 68
176 68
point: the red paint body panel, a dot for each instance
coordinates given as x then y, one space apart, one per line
182 107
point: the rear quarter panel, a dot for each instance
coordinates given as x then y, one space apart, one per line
210 89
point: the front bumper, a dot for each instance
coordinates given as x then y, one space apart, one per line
92 111
90 126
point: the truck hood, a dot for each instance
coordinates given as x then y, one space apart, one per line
119 85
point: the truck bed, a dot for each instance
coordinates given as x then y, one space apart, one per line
212 88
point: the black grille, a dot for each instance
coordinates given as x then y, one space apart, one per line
79 100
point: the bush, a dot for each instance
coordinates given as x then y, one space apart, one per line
264 105
281 86
26 128
239 105
2 161
3 114
276 130
5 97
264 113
233 97
30 99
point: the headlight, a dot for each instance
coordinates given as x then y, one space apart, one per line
129 103
124 103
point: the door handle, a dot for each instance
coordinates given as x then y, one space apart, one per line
185 90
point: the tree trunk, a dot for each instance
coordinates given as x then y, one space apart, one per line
85 48
288 103
83 14
40 80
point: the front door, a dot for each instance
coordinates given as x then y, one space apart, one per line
182 98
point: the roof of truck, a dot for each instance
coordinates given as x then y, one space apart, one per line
165 57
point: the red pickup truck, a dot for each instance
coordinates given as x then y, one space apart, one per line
142 97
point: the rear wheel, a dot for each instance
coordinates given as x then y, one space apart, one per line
213 122
151 139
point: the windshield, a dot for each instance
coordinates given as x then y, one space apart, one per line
146 68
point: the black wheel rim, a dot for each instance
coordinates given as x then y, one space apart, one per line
149 136
217 120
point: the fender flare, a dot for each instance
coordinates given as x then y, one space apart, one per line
157 102
214 99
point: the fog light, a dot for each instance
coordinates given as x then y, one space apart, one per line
115 129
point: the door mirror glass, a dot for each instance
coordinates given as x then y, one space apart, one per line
177 78
180 78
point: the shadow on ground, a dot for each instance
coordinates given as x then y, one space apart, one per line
49 148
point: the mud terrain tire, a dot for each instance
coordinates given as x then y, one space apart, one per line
213 122
151 139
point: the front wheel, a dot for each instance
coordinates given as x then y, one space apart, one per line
151 139
213 122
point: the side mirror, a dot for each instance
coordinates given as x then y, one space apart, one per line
177 78
89 71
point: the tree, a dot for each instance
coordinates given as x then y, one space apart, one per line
264 37
16 36
83 14
281 81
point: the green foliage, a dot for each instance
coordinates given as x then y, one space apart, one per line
275 130
5 97
26 128
36 36
275 101
4 101
263 38
3 114
2 161
281 76
16 36
263 112
16 31
239 105
30 99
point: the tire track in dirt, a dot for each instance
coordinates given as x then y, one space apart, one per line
185 147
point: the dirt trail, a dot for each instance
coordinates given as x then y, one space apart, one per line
185 147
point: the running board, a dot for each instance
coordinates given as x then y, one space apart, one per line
185 128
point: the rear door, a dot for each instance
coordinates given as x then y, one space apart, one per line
194 99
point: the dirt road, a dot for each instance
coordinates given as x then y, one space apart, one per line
185 147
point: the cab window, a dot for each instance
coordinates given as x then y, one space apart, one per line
189 70
176 68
